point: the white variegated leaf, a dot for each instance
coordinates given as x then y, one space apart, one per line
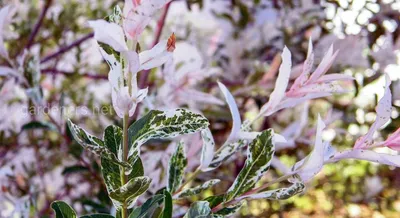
198 189
199 209
259 155
110 34
130 191
163 124
176 168
207 151
237 122
277 194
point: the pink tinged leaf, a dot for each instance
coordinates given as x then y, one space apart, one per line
334 77
5 19
291 102
393 141
312 164
207 152
138 15
321 88
383 112
110 34
237 122
158 55
324 66
307 66
369 155
280 85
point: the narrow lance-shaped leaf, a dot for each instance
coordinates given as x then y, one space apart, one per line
63 210
199 209
228 210
111 171
198 189
176 168
93 144
259 155
168 205
207 152
226 151
131 190
98 215
278 194
147 209
163 124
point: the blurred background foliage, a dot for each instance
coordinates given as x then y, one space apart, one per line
240 39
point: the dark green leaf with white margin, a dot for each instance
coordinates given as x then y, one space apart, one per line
94 144
161 125
97 215
259 155
39 125
63 210
278 194
131 190
229 210
147 209
112 172
176 168
198 189
168 205
199 209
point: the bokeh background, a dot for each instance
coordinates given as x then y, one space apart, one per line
237 42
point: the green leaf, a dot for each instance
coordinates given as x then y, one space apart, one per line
161 125
94 144
168 205
259 155
74 169
196 190
131 190
63 210
148 208
229 210
199 209
97 215
176 168
278 194
39 125
215 200
111 171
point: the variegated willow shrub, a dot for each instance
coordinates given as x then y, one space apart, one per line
119 149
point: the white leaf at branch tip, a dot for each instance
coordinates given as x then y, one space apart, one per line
383 113
237 122
158 55
280 85
110 34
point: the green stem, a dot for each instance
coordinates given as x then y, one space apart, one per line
124 212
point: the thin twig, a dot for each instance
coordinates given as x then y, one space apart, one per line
53 71
38 24
67 48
